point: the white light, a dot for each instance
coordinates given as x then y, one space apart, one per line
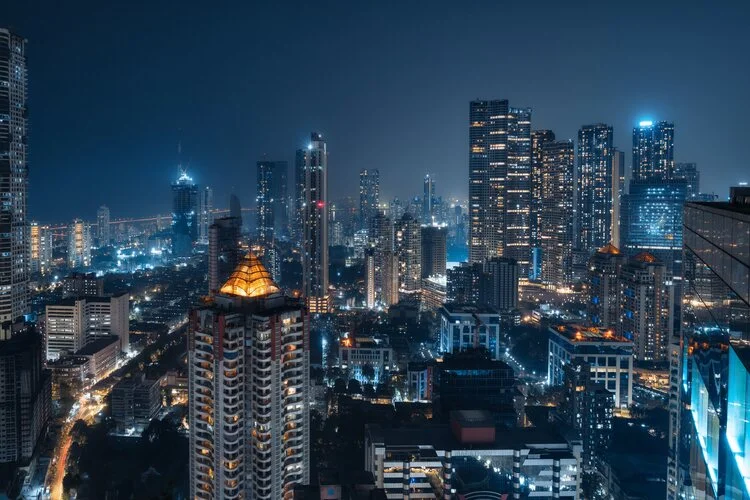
645 123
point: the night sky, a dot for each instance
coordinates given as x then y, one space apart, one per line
114 88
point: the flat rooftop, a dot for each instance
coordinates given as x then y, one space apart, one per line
580 333
453 308
97 345
737 208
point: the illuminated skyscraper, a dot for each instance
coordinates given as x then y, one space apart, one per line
646 295
14 258
428 199
205 213
272 200
618 192
298 229
499 182
500 288
539 138
369 196
103 235
594 213
407 243
653 151
557 218
40 239
434 250
249 364
184 214
315 223
79 244
370 278
603 288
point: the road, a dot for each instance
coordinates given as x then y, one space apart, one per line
87 407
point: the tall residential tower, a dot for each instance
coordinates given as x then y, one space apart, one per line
315 225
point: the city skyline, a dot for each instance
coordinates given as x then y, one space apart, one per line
227 130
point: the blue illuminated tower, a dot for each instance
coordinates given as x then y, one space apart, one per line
184 214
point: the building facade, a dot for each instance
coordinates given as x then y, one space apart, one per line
369 196
434 250
465 327
558 213
223 250
539 139
184 214
501 277
79 244
594 207
315 225
272 200
103 233
603 286
248 356
205 213
407 245
14 178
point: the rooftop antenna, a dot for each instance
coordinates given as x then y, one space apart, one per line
181 170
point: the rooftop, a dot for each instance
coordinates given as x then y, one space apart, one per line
580 333
97 345
250 279
609 249
454 308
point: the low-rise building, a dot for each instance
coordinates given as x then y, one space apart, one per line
469 456
134 402
360 354
610 356
464 326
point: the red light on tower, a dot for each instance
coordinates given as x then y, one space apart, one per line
321 204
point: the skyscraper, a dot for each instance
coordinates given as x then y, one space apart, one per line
315 222
517 223
249 363
653 151
499 182
272 199
184 214
618 193
79 244
539 138
500 288
235 210
434 250
646 295
556 229
369 278
223 251
14 260
603 286
369 196
205 213
40 243
298 229
428 199
692 177
594 211
407 243
25 393
103 235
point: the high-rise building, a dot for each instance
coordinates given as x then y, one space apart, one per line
517 220
653 220
79 244
223 250
235 210
594 204
499 182
381 235
25 393
315 222
709 364
184 214
468 326
298 228
653 151
587 407
369 196
689 173
205 213
428 199
14 178
464 283
434 250
40 244
248 362
603 286
501 275
370 278
539 139
618 193
103 235
407 244
646 295
558 213
81 285
272 199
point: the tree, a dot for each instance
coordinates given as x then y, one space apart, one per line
354 387
368 372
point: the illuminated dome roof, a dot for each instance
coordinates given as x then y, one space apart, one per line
250 279
645 257
610 249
